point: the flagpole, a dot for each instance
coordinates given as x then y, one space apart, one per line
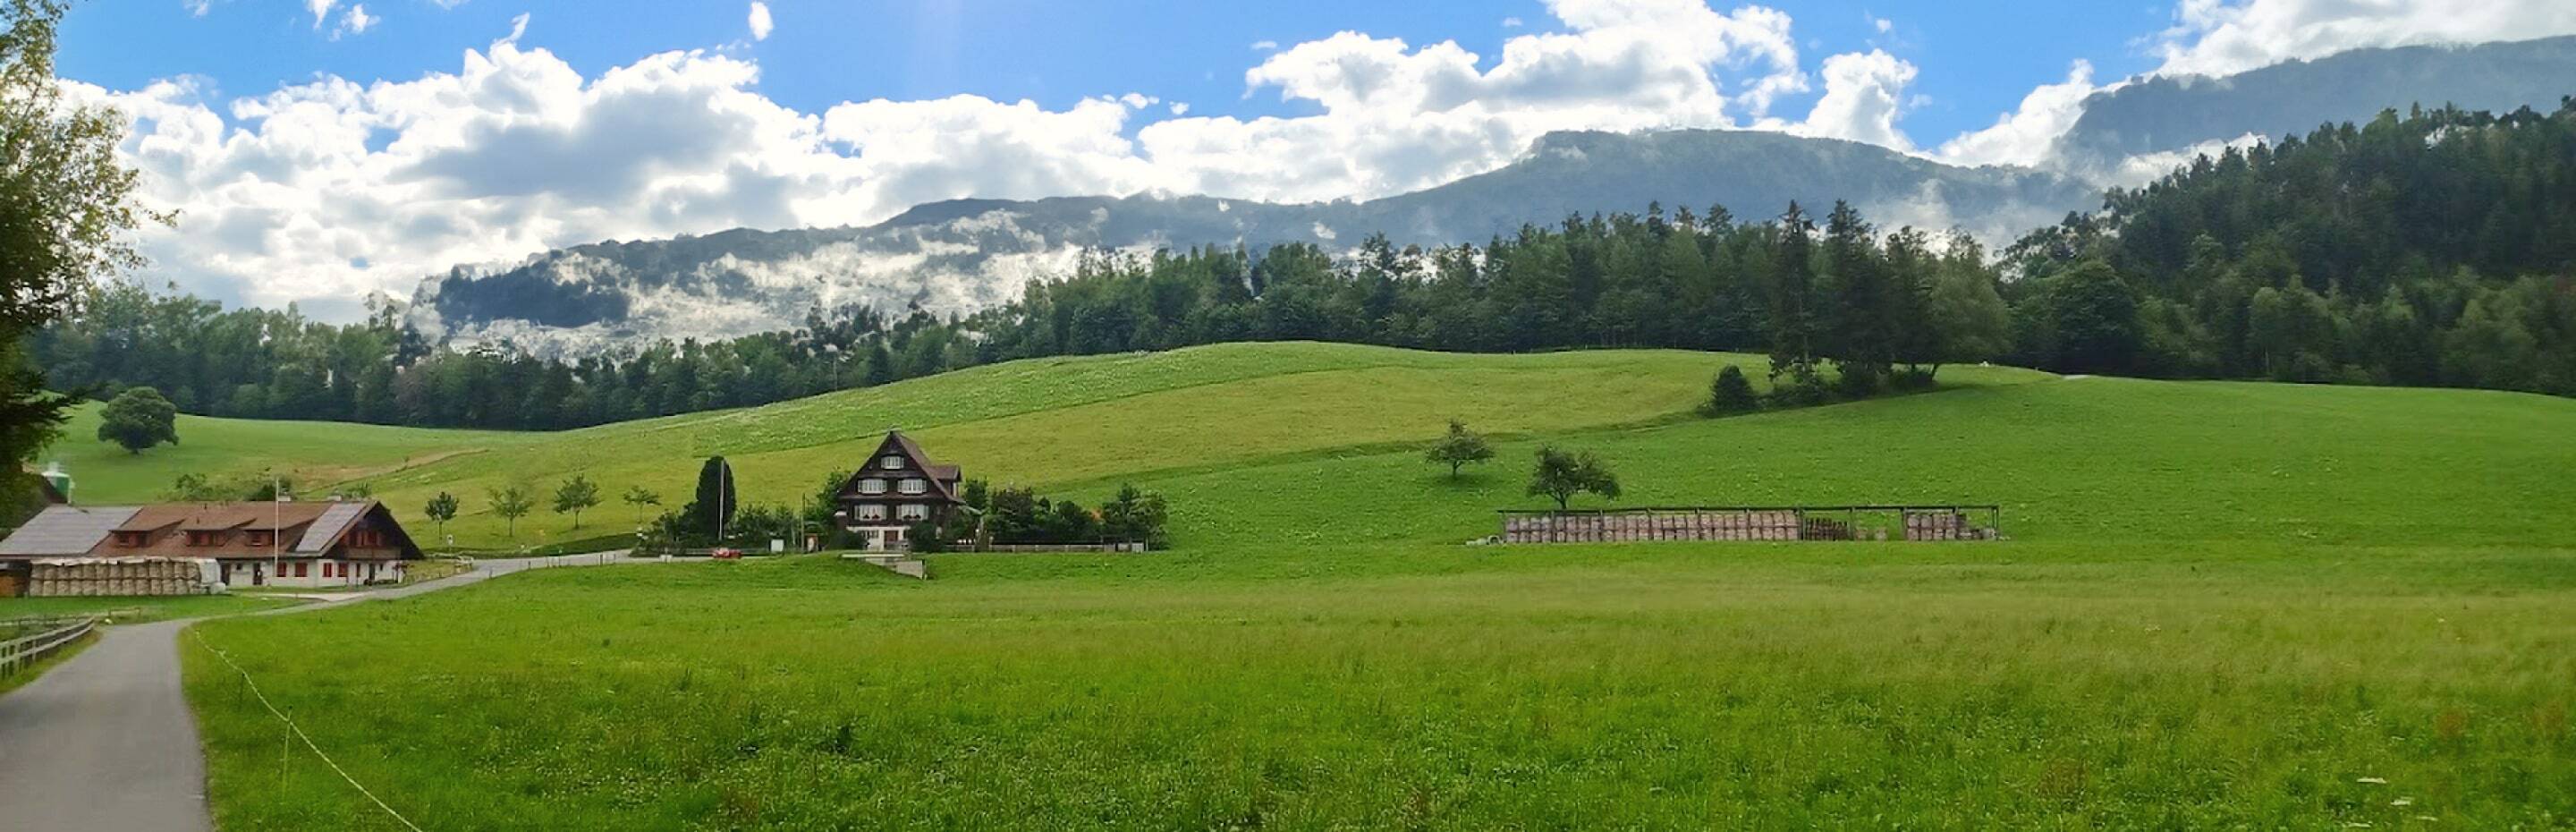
276 518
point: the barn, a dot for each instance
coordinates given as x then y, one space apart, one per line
290 544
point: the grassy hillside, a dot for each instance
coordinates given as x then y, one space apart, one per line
2226 605
1043 422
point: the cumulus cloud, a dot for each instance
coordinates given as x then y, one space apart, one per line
1397 117
1511 23
324 191
2029 134
2219 37
1864 95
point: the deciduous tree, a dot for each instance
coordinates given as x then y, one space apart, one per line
138 418
1561 475
441 509
1459 448
575 495
511 502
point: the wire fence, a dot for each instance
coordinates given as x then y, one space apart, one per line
297 732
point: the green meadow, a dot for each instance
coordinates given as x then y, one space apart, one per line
1045 423
2222 605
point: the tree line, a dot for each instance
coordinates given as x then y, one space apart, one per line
2430 248
1871 301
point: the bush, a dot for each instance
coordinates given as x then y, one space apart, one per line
1731 393
927 538
1799 389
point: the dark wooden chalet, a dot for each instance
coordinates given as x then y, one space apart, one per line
898 487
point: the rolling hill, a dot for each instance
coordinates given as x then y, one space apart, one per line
1308 426
2223 605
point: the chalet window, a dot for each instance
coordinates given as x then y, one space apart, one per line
129 539
912 511
915 486
204 538
890 462
367 538
262 538
303 569
871 511
872 485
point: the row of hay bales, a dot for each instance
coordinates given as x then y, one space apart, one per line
1735 525
1625 527
95 577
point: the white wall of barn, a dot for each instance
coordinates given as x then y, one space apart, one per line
319 573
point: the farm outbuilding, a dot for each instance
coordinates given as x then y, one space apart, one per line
317 544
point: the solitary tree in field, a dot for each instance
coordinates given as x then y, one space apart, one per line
639 497
1562 474
1731 393
139 418
512 502
574 495
1460 447
715 501
441 508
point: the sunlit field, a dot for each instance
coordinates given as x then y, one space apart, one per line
2222 605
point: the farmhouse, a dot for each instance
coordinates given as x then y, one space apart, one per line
317 544
898 487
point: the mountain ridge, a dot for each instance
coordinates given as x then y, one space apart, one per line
961 255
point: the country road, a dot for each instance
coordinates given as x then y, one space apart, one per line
105 742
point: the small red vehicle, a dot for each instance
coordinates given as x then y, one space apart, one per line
726 554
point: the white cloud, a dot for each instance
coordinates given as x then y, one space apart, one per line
1883 25
1398 117
1265 46
1511 23
1864 95
321 10
2219 37
354 21
325 191
2026 136
760 22
197 8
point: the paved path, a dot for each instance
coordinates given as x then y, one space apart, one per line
105 742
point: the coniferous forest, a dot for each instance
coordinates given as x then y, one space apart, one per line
2432 248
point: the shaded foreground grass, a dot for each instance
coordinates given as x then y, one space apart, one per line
1394 686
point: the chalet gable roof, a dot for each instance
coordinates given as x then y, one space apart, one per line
943 478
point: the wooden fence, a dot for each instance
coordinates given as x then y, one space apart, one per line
1753 523
20 653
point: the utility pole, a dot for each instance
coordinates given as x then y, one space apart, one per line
277 517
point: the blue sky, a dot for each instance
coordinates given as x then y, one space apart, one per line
1979 58
318 151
